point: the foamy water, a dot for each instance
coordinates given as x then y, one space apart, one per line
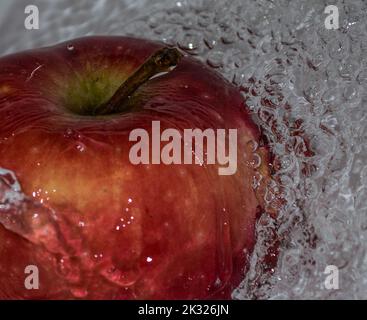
306 88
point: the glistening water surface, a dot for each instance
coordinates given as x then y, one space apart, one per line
306 87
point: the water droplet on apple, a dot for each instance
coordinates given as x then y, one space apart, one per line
68 133
253 145
256 161
121 278
80 147
218 282
72 134
256 180
98 256
70 47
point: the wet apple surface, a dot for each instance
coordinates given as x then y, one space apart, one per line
97 226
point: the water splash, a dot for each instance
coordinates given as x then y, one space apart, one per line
40 225
25 217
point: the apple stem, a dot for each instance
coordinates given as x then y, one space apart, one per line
160 61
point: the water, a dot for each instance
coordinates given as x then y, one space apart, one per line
306 87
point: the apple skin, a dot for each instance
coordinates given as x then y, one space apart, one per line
109 229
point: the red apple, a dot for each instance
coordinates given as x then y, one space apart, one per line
95 225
